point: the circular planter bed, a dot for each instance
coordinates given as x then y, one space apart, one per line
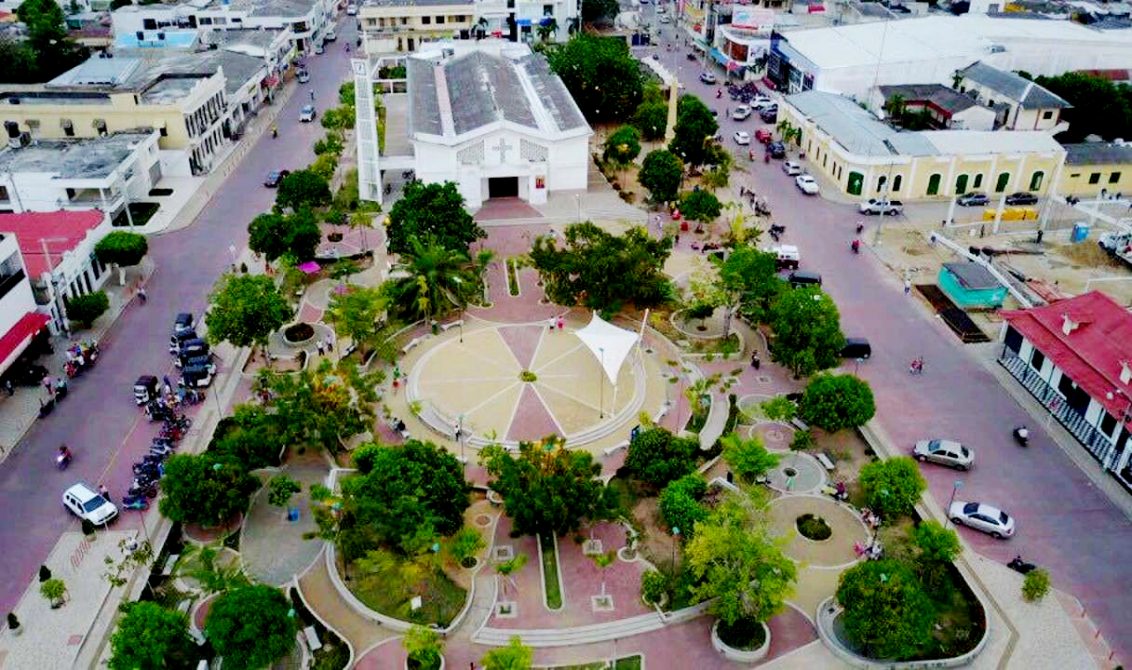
412 665
744 642
298 334
469 563
813 527
334 237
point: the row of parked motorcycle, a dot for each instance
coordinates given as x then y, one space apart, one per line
151 468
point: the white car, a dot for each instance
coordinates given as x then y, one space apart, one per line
761 102
741 113
806 184
351 10
990 520
319 49
303 76
742 137
307 114
664 19
944 452
791 168
85 503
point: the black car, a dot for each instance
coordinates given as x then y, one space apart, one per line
274 177
776 150
1022 198
182 322
973 200
769 115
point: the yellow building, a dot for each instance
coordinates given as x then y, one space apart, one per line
390 26
1096 168
108 95
865 157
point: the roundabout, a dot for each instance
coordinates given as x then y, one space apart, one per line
511 383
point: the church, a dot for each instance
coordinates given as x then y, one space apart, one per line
493 118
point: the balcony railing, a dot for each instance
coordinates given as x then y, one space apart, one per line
1094 441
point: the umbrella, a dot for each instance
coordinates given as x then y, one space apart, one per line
310 267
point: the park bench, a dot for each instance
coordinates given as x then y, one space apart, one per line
312 638
411 345
825 460
799 424
170 562
617 447
452 324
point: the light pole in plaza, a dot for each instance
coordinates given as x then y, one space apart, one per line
601 385
955 487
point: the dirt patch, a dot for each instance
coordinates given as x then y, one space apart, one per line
654 542
848 450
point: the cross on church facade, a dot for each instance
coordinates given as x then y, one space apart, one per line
503 148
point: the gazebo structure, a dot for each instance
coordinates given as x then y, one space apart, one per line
611 346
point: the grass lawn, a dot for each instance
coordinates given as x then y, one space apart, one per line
550 573
389 587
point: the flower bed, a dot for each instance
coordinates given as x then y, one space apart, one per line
813 527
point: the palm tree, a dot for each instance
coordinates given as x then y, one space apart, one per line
199 563
896 107
431 279
547 28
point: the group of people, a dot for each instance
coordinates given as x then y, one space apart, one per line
871 518
871 551
916 367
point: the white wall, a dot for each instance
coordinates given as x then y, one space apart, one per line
19 301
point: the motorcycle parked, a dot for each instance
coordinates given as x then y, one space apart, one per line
1018 565
1022 436
135 502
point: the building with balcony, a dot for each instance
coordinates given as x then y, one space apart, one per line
1095 169
19 320
395 26
182 24
1019 103
1075 357
941 107
489 116
865 157
104 173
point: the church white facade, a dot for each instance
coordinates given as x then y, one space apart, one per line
492 117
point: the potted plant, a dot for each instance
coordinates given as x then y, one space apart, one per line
424 647
14 624
55 591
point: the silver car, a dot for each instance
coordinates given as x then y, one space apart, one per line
944 452
990 520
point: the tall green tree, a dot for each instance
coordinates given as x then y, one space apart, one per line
514 656
406 495
204 489
323 406
431 211
358 313
603 271
245 310
122 249
623 145
656 456
661 173
680 505
150 636
892 487
1100 107
251 627
695 126
834 402
47 36
747 458
886 612
735 560
274 234
601 74
303 188
251 435
548 488
700 205
651 119
749 281
807 331
936 548
432 280
17 62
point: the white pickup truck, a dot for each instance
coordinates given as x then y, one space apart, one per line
876 206
1117 244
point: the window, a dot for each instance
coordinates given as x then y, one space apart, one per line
961 184
439 20
426 20
1037 360
548 10
459 18
1108 424
978 182
68 127
206 21
1036 180
933 184
1002 182
1095 178
881 181
4 193
896 183
1047 115
149 24
1114 178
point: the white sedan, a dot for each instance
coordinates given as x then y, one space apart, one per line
944 452
742 137
761 102
806 184
86 503
791 168
990 520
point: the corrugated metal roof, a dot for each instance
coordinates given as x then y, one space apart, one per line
856 129
1019 89
550 90
489 90
1098 153
424 106
972 276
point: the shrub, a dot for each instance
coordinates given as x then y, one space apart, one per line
680 504
1035 586
833 402
892 487
657 457
84 309
653 586
803 440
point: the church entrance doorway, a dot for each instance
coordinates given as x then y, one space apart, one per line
503 187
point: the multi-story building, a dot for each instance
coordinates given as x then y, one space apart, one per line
184 96
19 320
392 26
105 173
182 24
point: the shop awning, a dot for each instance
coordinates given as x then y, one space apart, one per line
13 342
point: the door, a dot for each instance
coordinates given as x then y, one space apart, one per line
856 181
933 184
961 184
503 187
1003 180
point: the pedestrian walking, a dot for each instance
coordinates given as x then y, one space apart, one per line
329 344
321 346
756 362
49 386
141 294
561 323
8 388
907 286
104 492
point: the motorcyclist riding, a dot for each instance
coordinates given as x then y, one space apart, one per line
64 457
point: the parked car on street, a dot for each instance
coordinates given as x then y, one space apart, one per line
274 177
303 76
761 102
786 256
807 184
707 78
776 149
330 36
972 200
944 452
763 136
979 516
769 114
351 10
879 206
182 322
742 137
1022 198
319 49
741 113
86 503
664 19
307 114
791 168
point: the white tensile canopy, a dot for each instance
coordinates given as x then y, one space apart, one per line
609 344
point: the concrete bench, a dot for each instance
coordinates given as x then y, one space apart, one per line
170 563
411 345
661 414
615 448
392 423
445 327
312 638
799 424
826 461
184 606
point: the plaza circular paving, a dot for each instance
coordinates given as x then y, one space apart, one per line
509 383
796 473
838 549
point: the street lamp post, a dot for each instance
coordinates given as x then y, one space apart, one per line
601 385
954 489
